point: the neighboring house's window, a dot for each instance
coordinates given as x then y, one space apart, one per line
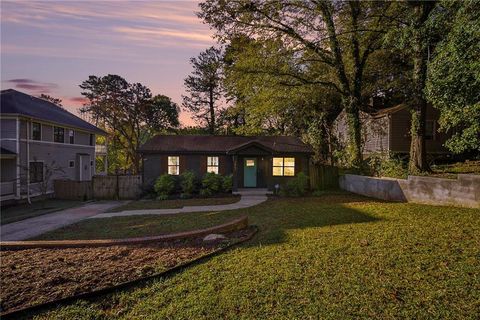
174 165
36 131
71 136
36 171
284 167
92 139
71 164
430 130
58 134
212 164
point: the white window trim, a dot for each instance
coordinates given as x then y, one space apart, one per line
53 134
72 136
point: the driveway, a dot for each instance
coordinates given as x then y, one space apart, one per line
33 227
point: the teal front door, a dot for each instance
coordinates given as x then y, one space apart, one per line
250 172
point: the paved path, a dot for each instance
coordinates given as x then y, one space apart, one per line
245 202
33 227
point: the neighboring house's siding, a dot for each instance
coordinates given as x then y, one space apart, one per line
47 133
8 129
8 169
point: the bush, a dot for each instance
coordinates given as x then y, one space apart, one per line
162 197
165 185
227 183
211 184
296 187
188 182
387 166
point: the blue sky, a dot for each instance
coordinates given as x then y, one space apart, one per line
52 46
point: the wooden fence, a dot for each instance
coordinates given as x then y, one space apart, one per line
101 187
323 177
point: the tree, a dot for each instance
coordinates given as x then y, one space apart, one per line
204 88
338 37
51 99
129 113
453 82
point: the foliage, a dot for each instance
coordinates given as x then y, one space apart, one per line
296 187
321 45
453 84
227 183
381 165
204 88
211 184
165 185
188 183
51 99
129 113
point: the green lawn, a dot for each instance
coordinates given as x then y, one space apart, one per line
173 204
37 208
331 257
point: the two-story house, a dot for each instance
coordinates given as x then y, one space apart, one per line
40 142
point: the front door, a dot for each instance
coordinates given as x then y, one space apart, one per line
250 173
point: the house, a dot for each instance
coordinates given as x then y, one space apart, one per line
38 136
254 162
388 130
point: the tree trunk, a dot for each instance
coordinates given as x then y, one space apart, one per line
418 156
354 147
212 113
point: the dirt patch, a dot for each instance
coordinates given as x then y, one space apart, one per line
34 276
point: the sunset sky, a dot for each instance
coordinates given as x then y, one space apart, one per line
52 46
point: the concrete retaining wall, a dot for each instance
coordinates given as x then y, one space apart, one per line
463 191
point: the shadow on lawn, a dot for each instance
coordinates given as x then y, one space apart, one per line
305 213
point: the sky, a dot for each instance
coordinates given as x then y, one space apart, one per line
52 46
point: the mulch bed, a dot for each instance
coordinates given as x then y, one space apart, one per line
34 276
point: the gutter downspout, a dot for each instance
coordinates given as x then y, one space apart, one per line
18 160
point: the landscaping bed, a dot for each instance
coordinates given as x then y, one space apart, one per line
34 276
175 203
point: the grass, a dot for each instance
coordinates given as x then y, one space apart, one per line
330 257
37 208
173 204
452 170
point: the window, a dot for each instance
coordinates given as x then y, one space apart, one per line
58 134
284 167
36 131
174 165
71 163
36 172
92 139
212 164
250 163
71 136
429 130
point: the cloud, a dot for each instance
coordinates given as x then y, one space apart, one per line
32 85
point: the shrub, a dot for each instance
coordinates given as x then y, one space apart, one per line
296 187
185 195
211 183
188 182
387 166
165 185
227 183
162 197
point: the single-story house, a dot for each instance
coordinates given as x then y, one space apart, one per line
388 130
254 162
40 142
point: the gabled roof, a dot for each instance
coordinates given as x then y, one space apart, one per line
222 144
16 102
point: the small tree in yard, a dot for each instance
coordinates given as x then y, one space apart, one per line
43 176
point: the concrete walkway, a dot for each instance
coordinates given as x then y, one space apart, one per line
33 227
248 200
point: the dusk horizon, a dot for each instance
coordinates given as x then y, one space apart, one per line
51 47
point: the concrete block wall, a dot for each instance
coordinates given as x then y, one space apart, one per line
463 191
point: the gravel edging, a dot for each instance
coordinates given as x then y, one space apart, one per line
16 314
